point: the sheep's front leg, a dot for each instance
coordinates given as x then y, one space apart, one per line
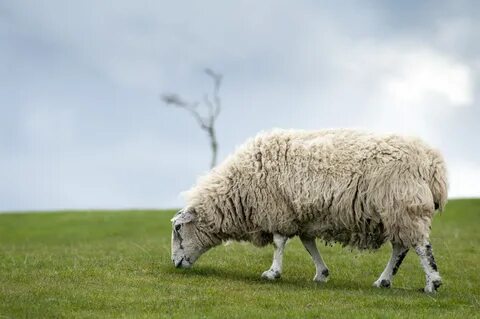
398 254
321 273
275 270
425 253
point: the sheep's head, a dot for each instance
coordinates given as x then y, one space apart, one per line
189 240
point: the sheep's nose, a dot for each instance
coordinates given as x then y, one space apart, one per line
178 264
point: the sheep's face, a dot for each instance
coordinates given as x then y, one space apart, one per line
188 242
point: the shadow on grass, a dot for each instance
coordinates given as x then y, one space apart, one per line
291 283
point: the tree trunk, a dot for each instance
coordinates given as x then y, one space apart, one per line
213 146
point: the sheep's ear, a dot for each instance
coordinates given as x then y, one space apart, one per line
174 218
184 216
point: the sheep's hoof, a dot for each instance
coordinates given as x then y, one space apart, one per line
433 286
322 277
382 283
271 274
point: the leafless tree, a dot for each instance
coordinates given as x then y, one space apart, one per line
213 105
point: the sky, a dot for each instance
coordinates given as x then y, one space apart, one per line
82 125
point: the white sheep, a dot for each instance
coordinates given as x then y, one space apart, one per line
344 186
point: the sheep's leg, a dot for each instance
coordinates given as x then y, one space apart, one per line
433 279
321 273
398 254
275 270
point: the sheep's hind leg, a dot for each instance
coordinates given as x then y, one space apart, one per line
321 273
425 253
398 254
275 270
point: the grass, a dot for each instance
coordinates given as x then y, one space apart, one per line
117 264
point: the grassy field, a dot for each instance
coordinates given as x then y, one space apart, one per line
117 264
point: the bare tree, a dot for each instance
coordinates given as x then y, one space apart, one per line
213 105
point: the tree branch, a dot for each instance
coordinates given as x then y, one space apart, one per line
177 101
217 82
213 107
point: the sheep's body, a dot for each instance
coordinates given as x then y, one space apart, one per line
340 185
345 186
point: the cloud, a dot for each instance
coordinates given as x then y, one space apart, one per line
421 89
464 179
43 130
422 76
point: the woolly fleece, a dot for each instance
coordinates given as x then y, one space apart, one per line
344 186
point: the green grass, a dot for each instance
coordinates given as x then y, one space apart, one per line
117 264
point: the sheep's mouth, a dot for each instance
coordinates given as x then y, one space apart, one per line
178 264
182 263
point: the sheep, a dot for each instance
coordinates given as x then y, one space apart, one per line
346 186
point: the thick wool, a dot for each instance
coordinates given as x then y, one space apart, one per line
345 186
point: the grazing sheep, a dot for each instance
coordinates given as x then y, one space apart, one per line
344 186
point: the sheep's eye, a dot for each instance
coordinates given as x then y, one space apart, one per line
177 227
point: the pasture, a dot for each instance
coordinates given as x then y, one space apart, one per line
114 264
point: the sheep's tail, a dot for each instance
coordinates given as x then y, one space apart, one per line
438 180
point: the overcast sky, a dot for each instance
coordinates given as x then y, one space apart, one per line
82 125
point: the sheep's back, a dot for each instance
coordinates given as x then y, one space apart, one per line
341 179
